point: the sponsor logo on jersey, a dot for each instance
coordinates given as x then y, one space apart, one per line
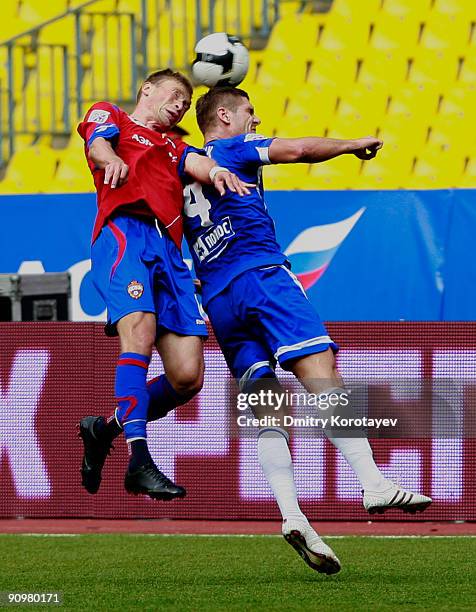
253 136
142 140
98 116
311 252
135 289
212 242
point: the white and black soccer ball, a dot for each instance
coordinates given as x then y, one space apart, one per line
221 59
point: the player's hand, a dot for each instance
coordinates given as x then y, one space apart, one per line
225 179
116 172
366 148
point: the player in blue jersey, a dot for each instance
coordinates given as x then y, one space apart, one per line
258 309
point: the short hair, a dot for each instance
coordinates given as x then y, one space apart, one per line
163 75
214 98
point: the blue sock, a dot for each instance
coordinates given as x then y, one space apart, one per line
132 396
163 398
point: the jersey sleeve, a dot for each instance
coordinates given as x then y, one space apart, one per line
101 120
184 177
253 149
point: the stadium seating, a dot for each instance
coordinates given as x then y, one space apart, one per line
401 69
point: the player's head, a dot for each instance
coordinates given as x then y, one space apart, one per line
166 95
226 112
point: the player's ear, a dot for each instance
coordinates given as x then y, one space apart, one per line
224 115
146 88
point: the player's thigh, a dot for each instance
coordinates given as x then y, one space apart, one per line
245 354
175 301
282 315
119 273
182 358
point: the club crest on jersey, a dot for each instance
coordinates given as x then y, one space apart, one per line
98 116
135 289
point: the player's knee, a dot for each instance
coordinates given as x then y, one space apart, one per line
188 381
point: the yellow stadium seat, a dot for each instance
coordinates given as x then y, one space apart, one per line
454 134
467 72
360 104
306 108
344 36
395 34
348 128
436 170
288 31
458 102
30 171
406 8
469 177
403 136
385 172
36 13
73 175
434 67
349 9
383 72
447 34
287 176
339 173
330 71
415 101
455 7
270 73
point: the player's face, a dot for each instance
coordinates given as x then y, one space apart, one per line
244 119
169 100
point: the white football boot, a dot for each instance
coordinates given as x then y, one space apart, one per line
310 547
395 497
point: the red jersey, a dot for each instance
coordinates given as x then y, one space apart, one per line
153 186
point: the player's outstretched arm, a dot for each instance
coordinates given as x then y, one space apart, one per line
312 150
104 156
205 170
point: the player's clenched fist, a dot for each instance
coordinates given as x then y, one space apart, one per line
115 173
366 148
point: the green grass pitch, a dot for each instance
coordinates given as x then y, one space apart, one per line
140 572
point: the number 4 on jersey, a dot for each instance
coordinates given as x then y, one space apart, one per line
196 204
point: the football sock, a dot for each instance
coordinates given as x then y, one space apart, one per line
276 463
139 454
109 430
163 398
132 396
358 454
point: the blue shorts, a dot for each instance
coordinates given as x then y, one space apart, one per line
136 267
263 317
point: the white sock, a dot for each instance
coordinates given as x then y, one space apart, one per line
358 455
276 463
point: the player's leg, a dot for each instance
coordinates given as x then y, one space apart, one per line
253 368
180 334
182 358
300 342
124 278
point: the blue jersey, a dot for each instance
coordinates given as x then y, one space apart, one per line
230 234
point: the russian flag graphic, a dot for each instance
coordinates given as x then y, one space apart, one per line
311 252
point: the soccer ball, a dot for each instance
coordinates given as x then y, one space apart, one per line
221 60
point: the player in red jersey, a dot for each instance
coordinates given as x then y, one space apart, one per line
139 271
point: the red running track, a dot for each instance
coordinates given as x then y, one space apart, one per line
167 526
